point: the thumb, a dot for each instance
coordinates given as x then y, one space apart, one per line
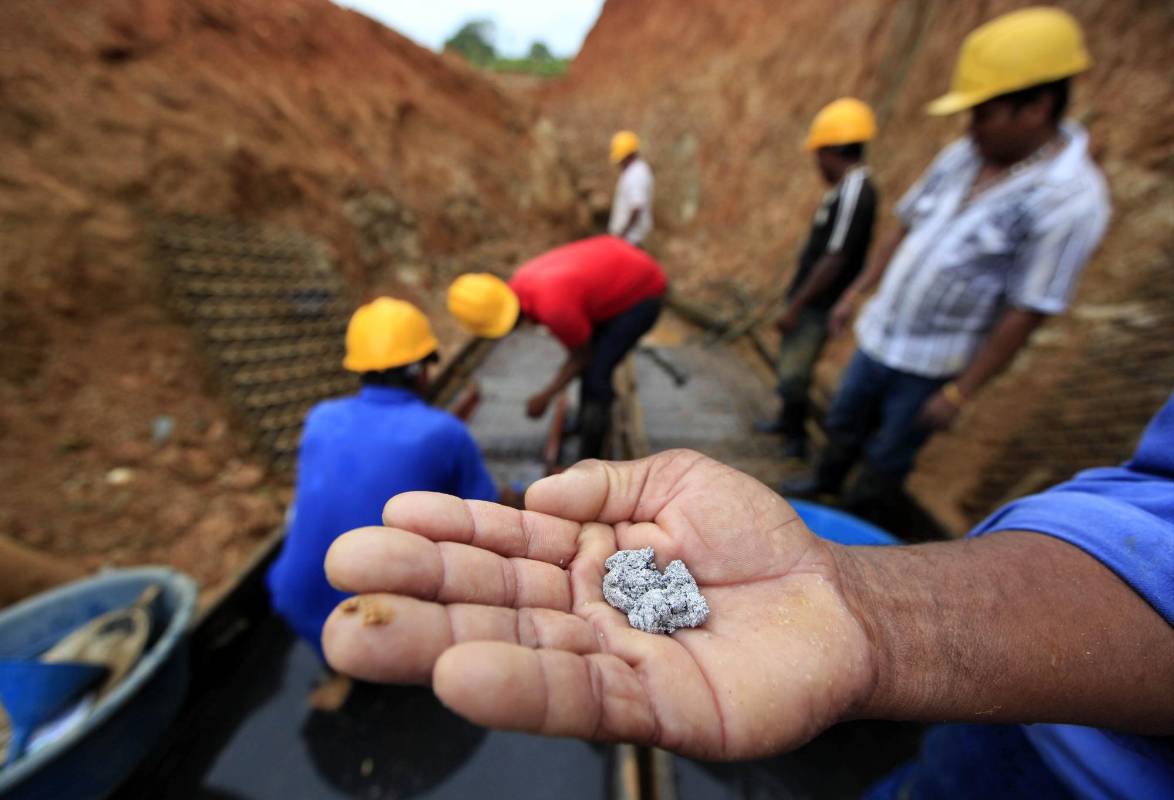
613 491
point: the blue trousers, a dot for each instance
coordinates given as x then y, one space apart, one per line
875 413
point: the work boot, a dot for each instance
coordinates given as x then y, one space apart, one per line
833 466
769 425
873 495
595 423
804 486
572 424
795 449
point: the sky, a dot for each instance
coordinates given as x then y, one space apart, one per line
562 24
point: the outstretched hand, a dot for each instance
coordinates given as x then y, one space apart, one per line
502 610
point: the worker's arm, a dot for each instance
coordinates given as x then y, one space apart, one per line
1010 333
632 220
576 361
502 611
1008 627
826 270
845 307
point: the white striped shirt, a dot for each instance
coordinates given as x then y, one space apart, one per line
1019 244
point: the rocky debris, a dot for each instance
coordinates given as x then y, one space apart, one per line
242 477
655 602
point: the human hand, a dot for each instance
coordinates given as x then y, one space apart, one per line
503 610
536 405
787 322
841 316
938 413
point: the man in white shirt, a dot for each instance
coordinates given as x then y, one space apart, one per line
992 239
631 208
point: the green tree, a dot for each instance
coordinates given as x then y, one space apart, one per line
540 53
474 41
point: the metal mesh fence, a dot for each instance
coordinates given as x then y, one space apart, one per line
271 313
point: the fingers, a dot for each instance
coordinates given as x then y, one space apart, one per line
505 531
551 692
394 639
596 543
613 491
400 562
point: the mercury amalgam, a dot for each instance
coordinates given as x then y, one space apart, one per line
654 602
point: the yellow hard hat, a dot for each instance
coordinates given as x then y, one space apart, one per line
484 304
623 144
387 333
843 121
1012 52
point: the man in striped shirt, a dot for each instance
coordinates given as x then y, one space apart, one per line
991 241
831 260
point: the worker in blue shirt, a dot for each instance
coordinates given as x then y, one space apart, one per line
358 451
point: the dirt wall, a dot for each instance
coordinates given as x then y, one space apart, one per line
406 164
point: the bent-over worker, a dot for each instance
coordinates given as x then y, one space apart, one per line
598 296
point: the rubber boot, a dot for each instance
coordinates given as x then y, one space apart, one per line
769 425
594 423
873 494
831 470
795 449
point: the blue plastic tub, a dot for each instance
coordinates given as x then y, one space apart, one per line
839 526
93 758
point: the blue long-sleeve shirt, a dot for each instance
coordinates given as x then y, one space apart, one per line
1123 517
356 453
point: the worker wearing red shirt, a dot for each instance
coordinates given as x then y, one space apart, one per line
597 296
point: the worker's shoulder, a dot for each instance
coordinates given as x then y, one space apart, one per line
446 422
353 411
867 188
329 412
954 156
1078 188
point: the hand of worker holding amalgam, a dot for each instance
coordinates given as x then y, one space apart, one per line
503 610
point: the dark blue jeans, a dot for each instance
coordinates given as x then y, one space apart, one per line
875 413
611 340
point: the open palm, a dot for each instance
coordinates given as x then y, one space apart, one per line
503 610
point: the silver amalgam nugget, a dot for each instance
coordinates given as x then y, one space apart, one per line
654 602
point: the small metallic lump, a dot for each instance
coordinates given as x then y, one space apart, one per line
654 602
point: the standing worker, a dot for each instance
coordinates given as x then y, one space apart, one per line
991 242
631 207
597 296
831 260
358 451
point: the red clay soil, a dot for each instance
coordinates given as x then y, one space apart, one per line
408 165
722 94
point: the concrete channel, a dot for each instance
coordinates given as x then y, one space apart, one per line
246 730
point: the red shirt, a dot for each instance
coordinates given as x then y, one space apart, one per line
570 288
